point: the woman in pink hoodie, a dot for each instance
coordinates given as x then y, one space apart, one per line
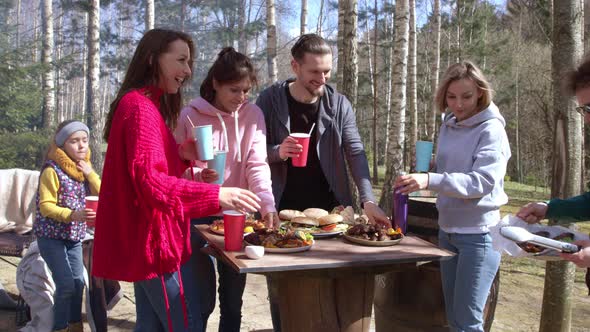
224 103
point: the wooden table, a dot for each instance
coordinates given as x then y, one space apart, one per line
331 286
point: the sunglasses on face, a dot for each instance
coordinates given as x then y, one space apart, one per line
583 110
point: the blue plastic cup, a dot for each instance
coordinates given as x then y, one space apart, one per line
204 140
218 164
423 155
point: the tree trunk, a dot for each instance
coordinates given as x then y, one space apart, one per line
349 72
348 62
182 14
340 46
303 17
242 40
149 14
83 96
59 108
458 37
271 35
435 72
18 5
93 118
412 90
389 84
567 153
517 102
321 18
395 152
47 58
375 92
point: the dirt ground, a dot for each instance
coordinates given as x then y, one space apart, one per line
518 308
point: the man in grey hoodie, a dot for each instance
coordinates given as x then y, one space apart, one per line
306 104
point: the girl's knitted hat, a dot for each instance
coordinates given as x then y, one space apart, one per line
62 135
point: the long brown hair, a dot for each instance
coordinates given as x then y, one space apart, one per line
144 69
229 67
458 71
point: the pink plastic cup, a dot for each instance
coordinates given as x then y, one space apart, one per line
303 139
91 203
233 225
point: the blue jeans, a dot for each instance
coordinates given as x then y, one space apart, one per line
199 277
64 260
467 278
150 305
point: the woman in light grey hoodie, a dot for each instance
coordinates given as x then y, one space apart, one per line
471 159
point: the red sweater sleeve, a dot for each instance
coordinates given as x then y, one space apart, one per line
153 161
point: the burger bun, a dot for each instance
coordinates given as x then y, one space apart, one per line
290 214
315 213
330 219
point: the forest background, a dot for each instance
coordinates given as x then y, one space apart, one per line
509 40
65 59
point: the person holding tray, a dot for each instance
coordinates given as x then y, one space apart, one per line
575 208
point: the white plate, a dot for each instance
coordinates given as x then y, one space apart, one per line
321 235
372 243
283 250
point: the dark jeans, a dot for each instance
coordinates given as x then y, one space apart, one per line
199 277
150 305
64 260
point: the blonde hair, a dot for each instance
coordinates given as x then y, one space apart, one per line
458 71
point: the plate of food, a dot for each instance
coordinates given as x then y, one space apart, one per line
372 235
249 226
280 241
320 223
541 251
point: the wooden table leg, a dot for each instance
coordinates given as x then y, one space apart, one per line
341 304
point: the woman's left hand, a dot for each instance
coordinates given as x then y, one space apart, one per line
406 184
272 221
83 166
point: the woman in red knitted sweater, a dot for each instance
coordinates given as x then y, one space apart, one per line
142 230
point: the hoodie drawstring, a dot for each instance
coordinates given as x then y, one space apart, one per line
182 301
237 136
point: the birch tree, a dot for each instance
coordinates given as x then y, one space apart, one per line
348 61
321 19
149 14
390 24
93 118
373 74
47 58
567 157
431 134
303 17
271 36
412 90
242 38
395 152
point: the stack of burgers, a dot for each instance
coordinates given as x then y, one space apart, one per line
314 220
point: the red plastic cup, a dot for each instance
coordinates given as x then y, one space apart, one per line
233 226
91 203
303 139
